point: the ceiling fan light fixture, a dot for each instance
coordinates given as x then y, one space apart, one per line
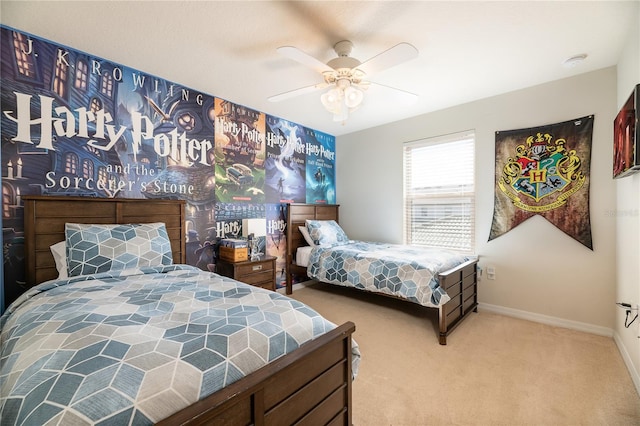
340 100
353 97
345 75
332 100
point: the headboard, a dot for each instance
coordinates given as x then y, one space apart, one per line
297 214
45 217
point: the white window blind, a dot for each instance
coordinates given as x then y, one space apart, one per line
439 192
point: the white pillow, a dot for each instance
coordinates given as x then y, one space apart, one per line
59 252
305 233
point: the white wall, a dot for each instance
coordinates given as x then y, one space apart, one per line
539 269
628 220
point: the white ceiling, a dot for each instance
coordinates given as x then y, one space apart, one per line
468 49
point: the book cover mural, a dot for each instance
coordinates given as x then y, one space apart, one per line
321 155
285 163
285 168
239 153
79 125
276 240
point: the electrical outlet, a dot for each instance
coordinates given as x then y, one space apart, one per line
491 272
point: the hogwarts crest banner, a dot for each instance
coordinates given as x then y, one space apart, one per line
544 171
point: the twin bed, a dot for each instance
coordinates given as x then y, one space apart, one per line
434 278
146 339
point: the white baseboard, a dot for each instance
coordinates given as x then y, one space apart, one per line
573 325
546 319
635 376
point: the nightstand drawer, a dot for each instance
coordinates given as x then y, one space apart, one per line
259 273
255 278
254 268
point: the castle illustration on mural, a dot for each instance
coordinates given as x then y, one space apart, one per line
76 124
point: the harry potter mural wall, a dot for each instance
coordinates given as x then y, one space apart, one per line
76 124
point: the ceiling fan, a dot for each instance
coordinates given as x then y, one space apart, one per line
345 75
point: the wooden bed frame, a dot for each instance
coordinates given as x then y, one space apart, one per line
460 283
311 385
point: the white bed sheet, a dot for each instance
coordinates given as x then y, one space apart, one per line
302 256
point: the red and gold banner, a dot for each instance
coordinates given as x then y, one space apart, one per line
544 171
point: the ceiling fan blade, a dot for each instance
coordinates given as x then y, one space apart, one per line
297 92
303 58
404 93
398 54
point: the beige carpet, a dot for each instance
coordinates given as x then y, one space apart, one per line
495 370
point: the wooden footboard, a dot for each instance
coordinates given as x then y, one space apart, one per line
311 385
461 284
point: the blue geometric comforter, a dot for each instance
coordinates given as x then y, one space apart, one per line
407 272
135 346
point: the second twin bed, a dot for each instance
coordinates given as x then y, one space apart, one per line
319 249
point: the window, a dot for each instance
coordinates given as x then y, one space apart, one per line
106 87
71 163
82 71
60 78
439 192
22 48
87 169
103 175
96 105
187 121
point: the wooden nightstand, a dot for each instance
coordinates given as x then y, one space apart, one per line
260 273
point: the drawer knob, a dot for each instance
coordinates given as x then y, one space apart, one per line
256 267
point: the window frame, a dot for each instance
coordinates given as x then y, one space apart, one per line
439 195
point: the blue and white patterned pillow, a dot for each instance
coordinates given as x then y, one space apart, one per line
326 232
95 248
